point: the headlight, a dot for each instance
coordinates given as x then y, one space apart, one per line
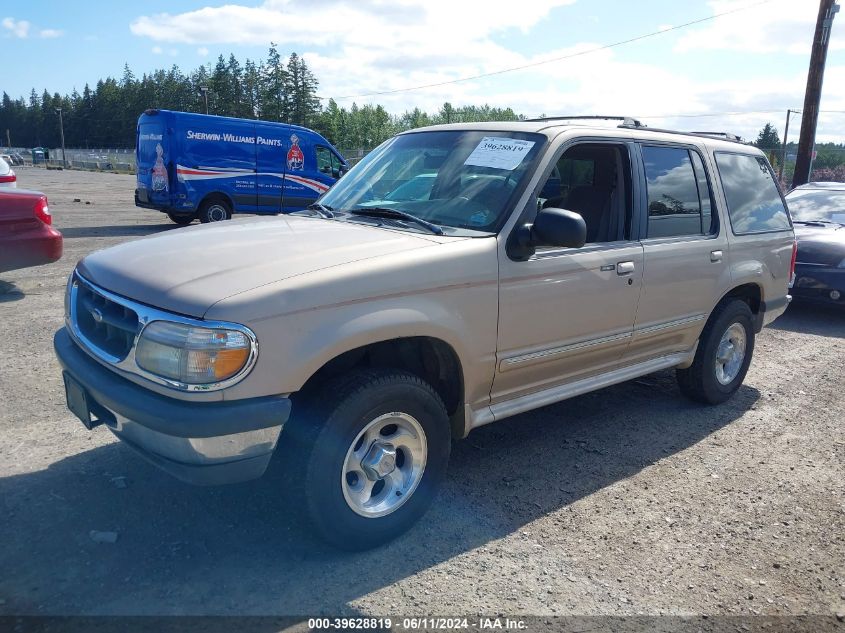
193 355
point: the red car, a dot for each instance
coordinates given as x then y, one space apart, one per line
26 235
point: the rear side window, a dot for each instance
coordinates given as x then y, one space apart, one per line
754 202
675 207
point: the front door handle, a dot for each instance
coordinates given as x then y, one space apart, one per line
715 256
624 268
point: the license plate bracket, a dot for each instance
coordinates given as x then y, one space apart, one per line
77 402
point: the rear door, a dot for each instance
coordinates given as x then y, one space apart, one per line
685 250
152 154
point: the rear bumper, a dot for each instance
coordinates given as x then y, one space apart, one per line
31 248
770 310
204 443
186 209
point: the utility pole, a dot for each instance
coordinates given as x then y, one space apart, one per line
812 97
783 151
8 139
204 91
62 132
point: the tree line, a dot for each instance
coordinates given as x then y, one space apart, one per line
828 165
274 89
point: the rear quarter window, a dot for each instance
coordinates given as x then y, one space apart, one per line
754 201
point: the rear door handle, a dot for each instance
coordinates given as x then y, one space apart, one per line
624 268
715 256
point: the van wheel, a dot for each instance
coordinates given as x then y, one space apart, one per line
723 355
214 211
373 451
182 218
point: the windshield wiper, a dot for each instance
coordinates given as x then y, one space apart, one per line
323 210
384 212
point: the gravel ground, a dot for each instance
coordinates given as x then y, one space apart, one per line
630 500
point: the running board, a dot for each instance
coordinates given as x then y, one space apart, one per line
503 410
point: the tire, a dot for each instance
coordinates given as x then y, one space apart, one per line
214 210
721 339
182 219
330 473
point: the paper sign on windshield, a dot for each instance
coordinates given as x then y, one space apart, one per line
499 153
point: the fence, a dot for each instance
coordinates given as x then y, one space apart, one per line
111 159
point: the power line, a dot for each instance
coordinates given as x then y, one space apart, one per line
556 59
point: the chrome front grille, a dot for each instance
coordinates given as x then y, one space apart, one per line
106 325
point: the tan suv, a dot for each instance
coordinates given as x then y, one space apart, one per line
456 276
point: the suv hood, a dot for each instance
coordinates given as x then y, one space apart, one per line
188 270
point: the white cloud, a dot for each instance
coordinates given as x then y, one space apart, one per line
202 51
377 46
17 28
157 50
777 26
49 34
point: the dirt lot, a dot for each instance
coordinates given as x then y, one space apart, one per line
630 500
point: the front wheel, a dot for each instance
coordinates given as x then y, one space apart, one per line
723 355
376 456
214 211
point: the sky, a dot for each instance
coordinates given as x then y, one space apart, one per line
732 73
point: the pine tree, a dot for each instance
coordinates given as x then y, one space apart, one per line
274 100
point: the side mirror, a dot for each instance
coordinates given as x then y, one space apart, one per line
559 227
552 227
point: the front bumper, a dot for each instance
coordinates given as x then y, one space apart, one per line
815 283
204 443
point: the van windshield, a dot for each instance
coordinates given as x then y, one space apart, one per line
460 179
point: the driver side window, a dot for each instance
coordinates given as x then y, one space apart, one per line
593 180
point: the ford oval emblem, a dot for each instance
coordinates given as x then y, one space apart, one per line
96 315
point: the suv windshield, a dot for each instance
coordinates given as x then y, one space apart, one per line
807 205
460 179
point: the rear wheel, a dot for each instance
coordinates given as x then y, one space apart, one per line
182 218
373 451
723 355
215 210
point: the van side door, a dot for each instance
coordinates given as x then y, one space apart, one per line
685 247
218 157
271 141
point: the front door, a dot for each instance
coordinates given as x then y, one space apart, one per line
567 313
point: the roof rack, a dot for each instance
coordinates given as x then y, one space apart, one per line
725 135
734 138
627 121
630 122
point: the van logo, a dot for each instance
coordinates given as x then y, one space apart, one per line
96 315
296 159
159 172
